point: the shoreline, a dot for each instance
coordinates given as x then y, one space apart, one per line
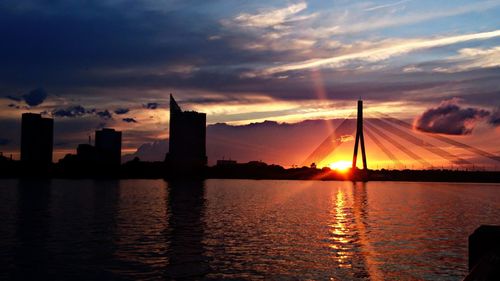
430 180
251 170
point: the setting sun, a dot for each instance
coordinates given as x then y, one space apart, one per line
340 165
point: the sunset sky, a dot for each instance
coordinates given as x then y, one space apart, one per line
113 63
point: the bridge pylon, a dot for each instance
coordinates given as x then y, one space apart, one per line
359 138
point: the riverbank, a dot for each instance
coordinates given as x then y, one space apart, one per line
251 170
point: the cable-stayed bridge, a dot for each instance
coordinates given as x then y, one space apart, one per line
396 138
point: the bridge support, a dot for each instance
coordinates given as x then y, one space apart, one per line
359 138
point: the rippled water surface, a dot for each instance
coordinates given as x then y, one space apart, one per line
239 229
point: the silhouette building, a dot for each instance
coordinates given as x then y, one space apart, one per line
108 145
37 135
187 141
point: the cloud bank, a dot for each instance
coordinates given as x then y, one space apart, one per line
450 118
80 111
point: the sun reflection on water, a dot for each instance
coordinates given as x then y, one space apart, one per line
339 230
359 208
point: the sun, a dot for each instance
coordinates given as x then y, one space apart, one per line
341 165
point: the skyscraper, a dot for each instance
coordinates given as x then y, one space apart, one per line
37 135
108 144
187 144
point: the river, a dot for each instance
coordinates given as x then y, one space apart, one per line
239 229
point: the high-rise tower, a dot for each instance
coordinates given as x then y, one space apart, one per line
187 144
108 144
359 138
37 135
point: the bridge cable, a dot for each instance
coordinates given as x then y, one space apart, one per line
382 147
445 139
417 141
330 143
398 145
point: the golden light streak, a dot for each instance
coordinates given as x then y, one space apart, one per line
319 90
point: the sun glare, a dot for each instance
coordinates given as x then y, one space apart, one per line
341 165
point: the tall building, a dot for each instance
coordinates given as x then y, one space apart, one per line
108 144
37 136
187 141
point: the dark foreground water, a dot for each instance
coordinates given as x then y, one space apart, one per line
239 229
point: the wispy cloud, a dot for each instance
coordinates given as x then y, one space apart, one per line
279 30
272 17
378 7
381 53
273 29
381 20
472 58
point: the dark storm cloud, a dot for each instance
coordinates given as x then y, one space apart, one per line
129 120
121 111
70 45
381 86
35 97
151 105
449 118
63 42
